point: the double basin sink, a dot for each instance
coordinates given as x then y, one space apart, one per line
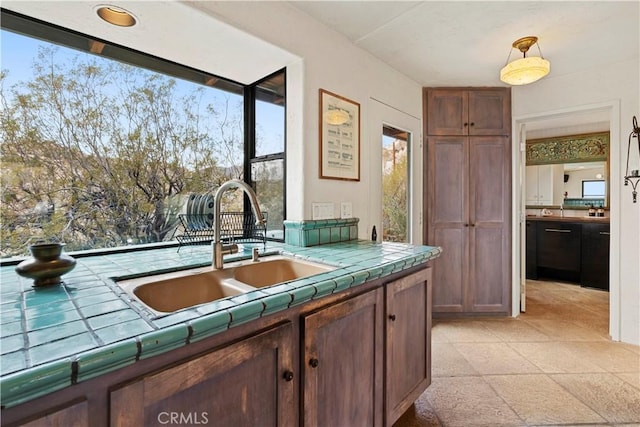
169 292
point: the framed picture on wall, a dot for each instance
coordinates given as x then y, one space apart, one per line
339 125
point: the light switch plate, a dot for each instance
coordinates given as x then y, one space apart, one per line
322 210
346 210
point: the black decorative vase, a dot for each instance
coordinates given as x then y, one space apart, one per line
46 265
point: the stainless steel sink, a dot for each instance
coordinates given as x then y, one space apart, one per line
166 293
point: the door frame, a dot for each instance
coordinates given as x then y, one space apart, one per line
382 114
519 123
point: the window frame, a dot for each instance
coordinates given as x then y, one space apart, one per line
54 34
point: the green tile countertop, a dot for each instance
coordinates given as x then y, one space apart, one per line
54 337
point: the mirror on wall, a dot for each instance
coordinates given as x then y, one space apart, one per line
571 170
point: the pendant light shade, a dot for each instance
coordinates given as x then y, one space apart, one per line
526 69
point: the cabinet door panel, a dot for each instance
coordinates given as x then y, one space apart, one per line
447 180
595 256
489 112
74 415
559 246
342 363
447 112
449 273
489 217
489 280
239 385
490 188
408 323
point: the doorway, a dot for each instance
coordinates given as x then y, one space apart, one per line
389 123
572 117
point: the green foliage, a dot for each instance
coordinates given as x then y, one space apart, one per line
95 154
394 202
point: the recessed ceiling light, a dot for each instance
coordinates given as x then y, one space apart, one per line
116 15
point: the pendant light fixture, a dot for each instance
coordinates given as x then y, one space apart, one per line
632 176
527 69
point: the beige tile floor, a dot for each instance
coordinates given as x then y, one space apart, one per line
553 365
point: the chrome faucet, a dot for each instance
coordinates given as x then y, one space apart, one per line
218 248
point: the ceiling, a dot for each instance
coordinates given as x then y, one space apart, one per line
435 43
466 43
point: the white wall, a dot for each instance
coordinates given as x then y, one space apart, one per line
618 85
329 61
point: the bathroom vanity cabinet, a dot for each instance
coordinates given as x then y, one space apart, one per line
360 356
568 249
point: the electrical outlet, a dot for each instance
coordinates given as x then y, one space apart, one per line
346 210
322 211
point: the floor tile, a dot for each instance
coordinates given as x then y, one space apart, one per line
632 378
495 358
608 355
539 400
465 331
554 357
511 330
579 376
447 361
563 330
467 401
419 415
611 397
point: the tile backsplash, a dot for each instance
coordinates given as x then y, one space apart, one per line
318 232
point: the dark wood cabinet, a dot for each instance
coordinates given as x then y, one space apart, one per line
408 346
559 250
468 200
571 251
342 363
531 250
359 357
468 111
244 384
76 414
594 269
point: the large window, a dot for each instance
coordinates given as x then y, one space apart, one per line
104 146
593 189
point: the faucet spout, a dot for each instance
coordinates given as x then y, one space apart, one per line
218 249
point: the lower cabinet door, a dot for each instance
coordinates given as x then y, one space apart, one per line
248 383
73 415
342 363
408 323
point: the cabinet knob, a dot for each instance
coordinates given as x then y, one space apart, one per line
313 362
466 124
288 375
472 123
466 225
392 317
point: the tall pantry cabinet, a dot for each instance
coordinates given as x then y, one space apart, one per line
468 200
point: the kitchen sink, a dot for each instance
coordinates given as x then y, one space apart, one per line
277 270
169 292
166 293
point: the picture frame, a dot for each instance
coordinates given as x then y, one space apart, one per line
339 127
